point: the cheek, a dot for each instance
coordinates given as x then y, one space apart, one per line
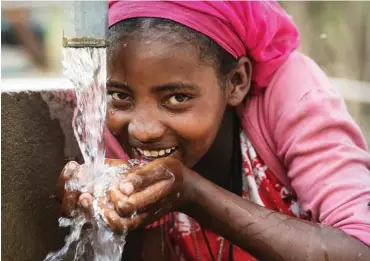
116 120
198 129
195 126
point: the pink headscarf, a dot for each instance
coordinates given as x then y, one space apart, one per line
259 29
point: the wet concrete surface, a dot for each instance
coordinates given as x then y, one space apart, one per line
31 159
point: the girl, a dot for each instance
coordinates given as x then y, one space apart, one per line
266 162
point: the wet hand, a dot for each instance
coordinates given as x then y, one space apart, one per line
69 199
72 199
146 194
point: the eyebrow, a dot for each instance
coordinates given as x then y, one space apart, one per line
175 86
114 84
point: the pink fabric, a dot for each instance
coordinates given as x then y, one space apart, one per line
259 29
302 130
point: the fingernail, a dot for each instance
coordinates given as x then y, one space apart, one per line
126 188
70 168
84 203
72 165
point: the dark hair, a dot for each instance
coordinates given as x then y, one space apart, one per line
209 51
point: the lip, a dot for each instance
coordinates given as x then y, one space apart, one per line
152 146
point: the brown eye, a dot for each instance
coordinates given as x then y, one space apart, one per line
119 96
177 99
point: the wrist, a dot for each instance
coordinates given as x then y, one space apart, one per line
193 184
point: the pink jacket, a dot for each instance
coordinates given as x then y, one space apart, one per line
302 130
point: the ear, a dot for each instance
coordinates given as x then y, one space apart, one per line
239 81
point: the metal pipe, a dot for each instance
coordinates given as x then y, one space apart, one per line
86 24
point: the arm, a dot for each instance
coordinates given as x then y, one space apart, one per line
266 234
328 166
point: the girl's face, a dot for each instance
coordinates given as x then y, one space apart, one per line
163 101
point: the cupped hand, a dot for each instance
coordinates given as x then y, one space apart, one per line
147 193
137 199
72 199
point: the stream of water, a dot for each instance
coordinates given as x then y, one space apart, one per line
86 69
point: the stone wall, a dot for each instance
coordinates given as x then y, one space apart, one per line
33 147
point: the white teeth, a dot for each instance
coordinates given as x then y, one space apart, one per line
155 153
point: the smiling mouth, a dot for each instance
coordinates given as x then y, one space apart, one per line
154 154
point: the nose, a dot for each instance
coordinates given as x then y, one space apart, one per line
146 127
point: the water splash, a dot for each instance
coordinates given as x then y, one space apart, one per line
90 238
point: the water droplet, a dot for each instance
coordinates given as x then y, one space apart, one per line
112 112
134 214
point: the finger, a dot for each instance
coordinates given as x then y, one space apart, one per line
85 201
117 198
145 176
137 181
69 202
172 167
114 220
159 166
151 195
121 225
67 173
115 162
135 222
145 199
